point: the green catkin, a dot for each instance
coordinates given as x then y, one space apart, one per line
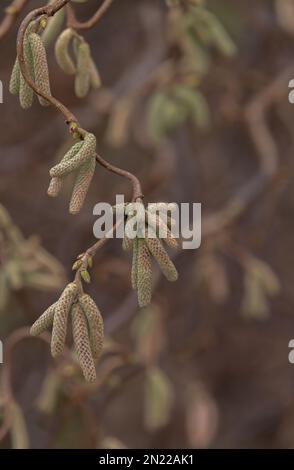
41 71
66 166
134 275
95 78
165 263
44 322
95 323
53 27
62 310
82 343
82 80
81 186
26 94
62 55
144 282
14 83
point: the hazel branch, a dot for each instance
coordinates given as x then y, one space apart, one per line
48 10
72 21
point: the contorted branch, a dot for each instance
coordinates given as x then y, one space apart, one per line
11 14
72 22
70 119
48 10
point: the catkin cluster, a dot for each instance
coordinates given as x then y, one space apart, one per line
87 327
36 62
24 263
80 159
147 244
80 63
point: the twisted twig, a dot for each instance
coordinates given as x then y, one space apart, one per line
72 22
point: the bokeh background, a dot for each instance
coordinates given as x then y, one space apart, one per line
206 365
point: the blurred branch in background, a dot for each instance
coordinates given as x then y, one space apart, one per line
192 94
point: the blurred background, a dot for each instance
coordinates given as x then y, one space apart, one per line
194 101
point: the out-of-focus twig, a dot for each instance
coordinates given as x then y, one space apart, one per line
72 21
11 14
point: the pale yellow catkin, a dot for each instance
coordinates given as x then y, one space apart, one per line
95 323
134 275
14 83
44 322
165 263
40 64
55 186
62 54
26 94
62 310
82 184
87 149
144 282
82 343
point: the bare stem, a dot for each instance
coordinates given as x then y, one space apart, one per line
72 21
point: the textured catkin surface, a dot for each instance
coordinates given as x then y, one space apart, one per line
161 229
144 282
62 310
14 83
82 343
82 184
55 186
165 263
95 323
44 322
26 94
62 54
134 274
80 156
41 71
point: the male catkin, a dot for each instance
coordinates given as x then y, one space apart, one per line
44 322
62 310
62 54
82 343
95 322
41 72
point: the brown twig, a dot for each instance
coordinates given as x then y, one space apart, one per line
72 21
48 10
11 14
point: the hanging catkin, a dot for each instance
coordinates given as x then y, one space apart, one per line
44 322
62 310
82 80
165 263
134 276
54 186
81 186
14 83
62 54
95 323
82 343
26 94
144 280
41 72
57 182
66 166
